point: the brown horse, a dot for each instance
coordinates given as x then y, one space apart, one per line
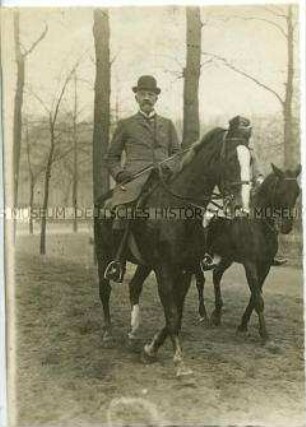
172 249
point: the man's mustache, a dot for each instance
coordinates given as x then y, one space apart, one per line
146 102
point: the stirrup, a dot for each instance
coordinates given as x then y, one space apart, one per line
277 262
114 272
208 263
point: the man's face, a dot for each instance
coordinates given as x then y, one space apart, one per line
146 100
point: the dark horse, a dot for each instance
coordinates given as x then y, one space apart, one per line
251 242
172 248
254 243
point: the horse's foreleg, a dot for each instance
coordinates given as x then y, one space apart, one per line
157 341
135 288
217 276
173 309
183 282
200 282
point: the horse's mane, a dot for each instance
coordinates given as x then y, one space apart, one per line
264 191
211 137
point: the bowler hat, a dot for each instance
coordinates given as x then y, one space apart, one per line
147 83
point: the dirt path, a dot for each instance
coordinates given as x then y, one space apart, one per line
65 376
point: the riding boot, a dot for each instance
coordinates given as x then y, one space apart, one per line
115 270
210 260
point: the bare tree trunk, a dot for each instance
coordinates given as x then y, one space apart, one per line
289 143
191 122
101 34
20 60
31 180
31 205
46 193
75 159
17 106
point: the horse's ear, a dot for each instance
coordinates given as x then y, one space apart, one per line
297 170
277 171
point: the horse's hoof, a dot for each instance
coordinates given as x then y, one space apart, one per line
273 347
204 320
148 356
108 340
264 338
132 336
183 371
215 319
133 344
242 332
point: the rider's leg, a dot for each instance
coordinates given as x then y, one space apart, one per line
210 259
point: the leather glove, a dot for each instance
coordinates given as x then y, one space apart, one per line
123 176
259 180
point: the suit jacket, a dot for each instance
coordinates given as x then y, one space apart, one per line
143 142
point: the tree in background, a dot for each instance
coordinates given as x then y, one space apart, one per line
282 19
102 90
21 54
33 150
75 155
191 73
52 114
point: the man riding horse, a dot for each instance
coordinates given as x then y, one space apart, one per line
146 138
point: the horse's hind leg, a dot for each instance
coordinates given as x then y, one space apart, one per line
104 293
200 282
102 230
255 277
135 288
217 276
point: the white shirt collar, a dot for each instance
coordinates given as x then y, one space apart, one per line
148 116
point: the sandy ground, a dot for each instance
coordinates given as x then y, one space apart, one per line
66 377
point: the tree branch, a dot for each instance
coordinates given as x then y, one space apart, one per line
245 74
272 23
39 39
67 80
257 18
31 91
205 63
276 11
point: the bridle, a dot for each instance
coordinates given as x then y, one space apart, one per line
273 226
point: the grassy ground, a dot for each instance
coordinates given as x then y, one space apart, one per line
66 377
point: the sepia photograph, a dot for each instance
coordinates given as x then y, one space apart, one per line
152 214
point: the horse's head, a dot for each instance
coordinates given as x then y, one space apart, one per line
280 191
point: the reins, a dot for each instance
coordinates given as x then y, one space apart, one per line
141 172
195 202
